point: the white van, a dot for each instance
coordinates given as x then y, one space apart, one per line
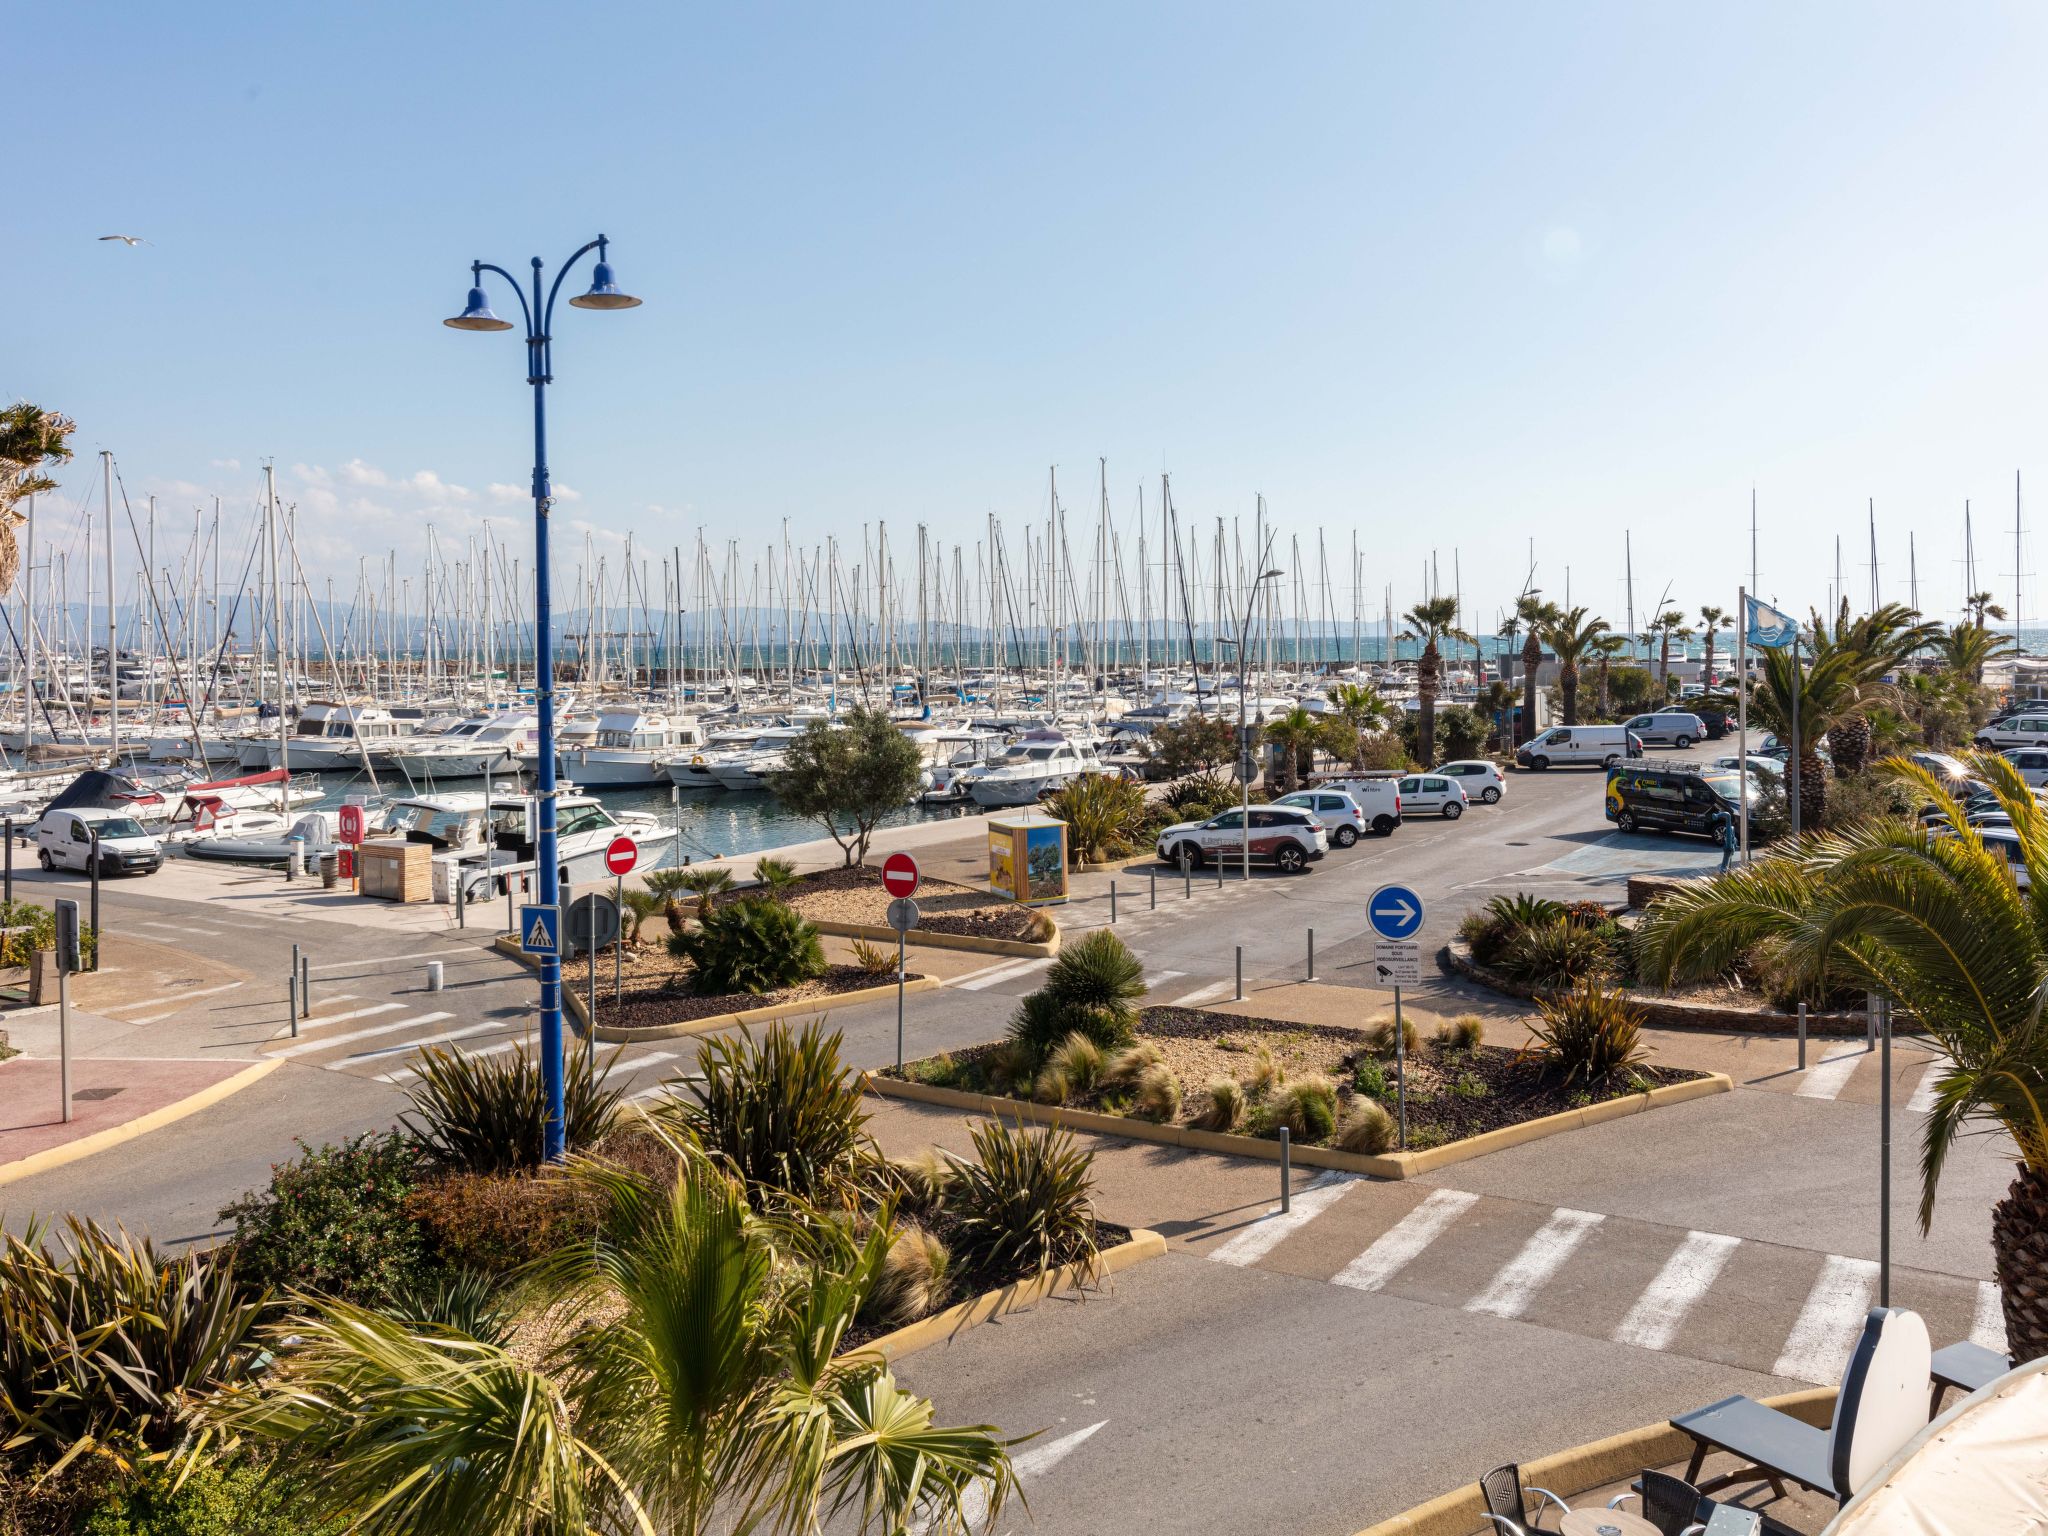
64 840
2029 730
1579 746
1378 798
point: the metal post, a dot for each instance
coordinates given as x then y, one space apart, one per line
456 871
291 1001
899 1000
298 970
1187 875
305 985
1802 1034
619 944
1401 1068
95 899
1884 1166
1155 891
64 1038
1240 973
1112 903
590 1032
1219 875
1870 1021
9 876
1286 1170
1311 954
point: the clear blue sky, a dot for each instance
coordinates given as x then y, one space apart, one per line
1456 276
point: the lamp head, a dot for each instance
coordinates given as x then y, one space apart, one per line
604 292
476 315
1269 575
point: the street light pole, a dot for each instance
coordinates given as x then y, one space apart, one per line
1244 746
476 316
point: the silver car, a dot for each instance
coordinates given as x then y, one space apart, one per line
1668 728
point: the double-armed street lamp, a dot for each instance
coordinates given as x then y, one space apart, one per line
476 315
1244 744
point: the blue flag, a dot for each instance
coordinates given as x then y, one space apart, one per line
1766 626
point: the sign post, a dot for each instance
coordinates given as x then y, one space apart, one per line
67 961
902 917
620 855
1395 913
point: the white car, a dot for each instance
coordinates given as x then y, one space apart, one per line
1286 836
1668 728
1335 812
1481 779
64 840
2031 762
1422 793
1378 798
2029 730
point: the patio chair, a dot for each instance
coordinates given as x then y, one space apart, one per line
1882 1403
1670 1503
1507 1503
1966 1367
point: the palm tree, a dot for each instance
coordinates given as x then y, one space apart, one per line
1938 925
667 884
1882 640
1607 647
1964 649
1296 734
1430 621
1571 636
705 881
1979 604
1711 619
30 439
1534 617
1496 702
1667 626
1357 708
711 1397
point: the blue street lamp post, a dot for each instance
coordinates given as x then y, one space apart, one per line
476 316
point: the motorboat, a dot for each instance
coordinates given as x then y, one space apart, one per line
334 738
951 753
698 770
483 744
1036 764
310 835
632 749
509 839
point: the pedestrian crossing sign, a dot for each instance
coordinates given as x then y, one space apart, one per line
540 930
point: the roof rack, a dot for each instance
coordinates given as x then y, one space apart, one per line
1692 767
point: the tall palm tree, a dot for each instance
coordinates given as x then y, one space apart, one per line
1357 708
1296 733
1964 649
1979 604
1535 617
1431 622
1938 925
1496 702
1881 640
1711 619
1607 647
1667 626
712 1396
1571 635
31 439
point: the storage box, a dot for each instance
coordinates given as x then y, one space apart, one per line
392 869
1027 858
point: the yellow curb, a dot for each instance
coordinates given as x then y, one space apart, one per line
1386 1165
957 1319
1462 1512
917 936
141 1125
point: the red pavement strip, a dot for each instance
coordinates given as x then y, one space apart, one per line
151 1092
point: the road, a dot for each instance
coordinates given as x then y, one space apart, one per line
1310 1373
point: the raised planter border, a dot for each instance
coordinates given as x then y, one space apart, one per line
1385 1165
1661 1013
1462 1512
615 1034
1014 1297
1018 948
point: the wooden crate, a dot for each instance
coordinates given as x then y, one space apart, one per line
395 870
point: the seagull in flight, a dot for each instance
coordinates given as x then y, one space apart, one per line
128 240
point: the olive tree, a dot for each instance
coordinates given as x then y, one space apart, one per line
847 775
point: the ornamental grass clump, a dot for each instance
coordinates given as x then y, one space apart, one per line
1079 1061
1366 1127
1306 1106
488 1114
916 1280
1156 1095
1464 1033
1223 1105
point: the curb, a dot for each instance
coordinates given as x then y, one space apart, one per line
617 1034
1462 1512
1019 948
1386 1165
958 1318
141 1125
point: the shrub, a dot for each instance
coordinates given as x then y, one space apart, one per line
1103 812
1157 1096
1079 1060
1585 914
1469 1086
1522 910
1025 1204
1486 934
465 1301
782 1111
1088 990
1052 1085
1384 752
492 1223
872 959
1370 1078
778 875
334 1220
1380 1038
40 925
237 1497
752 945
1307 1106
1554 954
941 1071
1005 1066
1463 1033
1367 1128
1123 1069
923 1180
1589 1034
1192 798
488 1114
1224 1107
1200 744
1266 1074
915 1280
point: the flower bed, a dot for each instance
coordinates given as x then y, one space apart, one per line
856 896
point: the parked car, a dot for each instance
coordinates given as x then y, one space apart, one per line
1716 718
1678 728
1951 769
1772 766
1422 793
1378 798
1283 835
2027 730
2031 764
64 840
1671 798
1579 746
1335 812
1481 779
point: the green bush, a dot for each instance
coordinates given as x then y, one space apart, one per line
237 1497
488 1114
1589 1034
1104 813
1200 744
1026 1203
1554 954
1370 1079
334 1220
1088 990
1486 934
41 933
1192 798
778 875
752 945
1307 1106
1522 910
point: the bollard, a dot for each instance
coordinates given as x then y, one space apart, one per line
305 985
1240 973
299 971
433 975
330 871
95 900
1219 874
1802 1034
292 1002
1187 873
1870 1021
1155 888
1311 954
1286 1171
1112 903
9 894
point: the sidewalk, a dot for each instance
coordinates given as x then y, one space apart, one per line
113 1099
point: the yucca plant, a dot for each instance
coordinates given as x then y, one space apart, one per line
1193 796
753 945
467 1301
1097 971
872 959
1523 910
109 1347
783 1112
1103 813
1554 954
488 1114
1026 1203
1590 1034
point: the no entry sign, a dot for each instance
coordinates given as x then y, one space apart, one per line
621 854
899 875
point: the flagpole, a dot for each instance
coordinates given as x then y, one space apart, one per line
1742 713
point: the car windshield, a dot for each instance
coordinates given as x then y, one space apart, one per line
120 826
1724 785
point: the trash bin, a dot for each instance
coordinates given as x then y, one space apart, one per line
330 870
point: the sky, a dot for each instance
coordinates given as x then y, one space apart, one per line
1455 277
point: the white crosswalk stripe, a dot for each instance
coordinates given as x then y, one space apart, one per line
1827 1077
1987 1328
982 979
178 998
403 1073
302 1047
1201 995
1157 979
1511 1291
1924 1091
1399 1245
1826 1330
1653 1322
1266 1233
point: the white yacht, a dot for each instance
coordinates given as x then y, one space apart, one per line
1036 764
750 770
483 744
332 738
633 748
508 833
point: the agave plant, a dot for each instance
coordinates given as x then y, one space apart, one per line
488 1114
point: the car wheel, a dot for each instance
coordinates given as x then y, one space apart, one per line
1188 857
1290 858
1681 741
1612 759
1539 763
1626 821
1490 794
43 857
1453 810
1344 837
1383 825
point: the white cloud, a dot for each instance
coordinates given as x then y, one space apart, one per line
497 490
228 464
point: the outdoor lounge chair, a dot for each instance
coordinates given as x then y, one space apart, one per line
1507 1503
1882 1403
1966 1367
1669 1503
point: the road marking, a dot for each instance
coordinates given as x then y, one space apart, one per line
1156 979
1926 1090
1830 1075
490 1050
1510 1292
1828 1324
303 1046
169 997
661 1087
1200 995
1265 1234
1035 1462
180 929
1683 1282
1987 1329
1000 973
419 954
1398 1246
460 1032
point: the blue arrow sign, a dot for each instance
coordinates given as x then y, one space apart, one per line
1395 912
540 930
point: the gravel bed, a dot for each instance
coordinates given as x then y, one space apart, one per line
662 1000
856 896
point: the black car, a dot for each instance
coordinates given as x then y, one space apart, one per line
1715 718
